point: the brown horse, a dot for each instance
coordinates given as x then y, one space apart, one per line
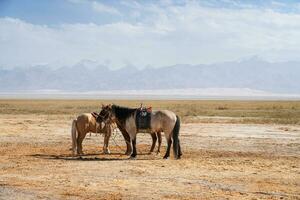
86 123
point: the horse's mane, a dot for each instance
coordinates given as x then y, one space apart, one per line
122 113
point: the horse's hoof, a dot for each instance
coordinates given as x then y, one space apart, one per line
107 152
132 156
80 158
166 157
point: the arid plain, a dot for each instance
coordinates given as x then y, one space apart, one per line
231 150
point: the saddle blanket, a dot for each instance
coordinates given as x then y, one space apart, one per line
143 118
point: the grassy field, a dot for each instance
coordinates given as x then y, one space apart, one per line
278 112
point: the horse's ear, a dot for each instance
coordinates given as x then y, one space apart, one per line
102 105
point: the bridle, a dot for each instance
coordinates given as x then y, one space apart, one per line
105 117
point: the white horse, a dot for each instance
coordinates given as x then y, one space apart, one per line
161 121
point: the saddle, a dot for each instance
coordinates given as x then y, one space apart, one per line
94 114
143 118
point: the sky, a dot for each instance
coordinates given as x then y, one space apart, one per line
147 33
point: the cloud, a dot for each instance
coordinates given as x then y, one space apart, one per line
278 4
102 8
97 6
159 35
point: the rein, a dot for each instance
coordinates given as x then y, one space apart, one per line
113 138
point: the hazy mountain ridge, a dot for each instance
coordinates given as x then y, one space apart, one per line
256 74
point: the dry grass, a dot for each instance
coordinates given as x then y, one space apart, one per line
279 112
220 161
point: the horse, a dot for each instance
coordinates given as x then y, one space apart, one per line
161 121
86 123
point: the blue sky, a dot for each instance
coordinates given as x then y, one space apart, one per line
55 12
143 33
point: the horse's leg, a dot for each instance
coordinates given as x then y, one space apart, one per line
73 136
133 155
179 149
132 132
80 138
169 141
154 138
106 140
159 142
127 140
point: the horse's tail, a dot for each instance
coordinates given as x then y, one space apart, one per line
176 143
74 135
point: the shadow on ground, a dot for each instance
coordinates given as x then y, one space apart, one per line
86 157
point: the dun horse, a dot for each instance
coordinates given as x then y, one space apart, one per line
161 121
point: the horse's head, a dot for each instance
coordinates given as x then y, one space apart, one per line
106 114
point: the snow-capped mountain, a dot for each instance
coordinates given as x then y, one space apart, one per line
255 74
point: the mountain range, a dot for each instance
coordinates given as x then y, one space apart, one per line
253 73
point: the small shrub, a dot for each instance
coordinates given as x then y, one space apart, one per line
222 108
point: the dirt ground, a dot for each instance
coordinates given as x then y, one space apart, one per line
220 161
